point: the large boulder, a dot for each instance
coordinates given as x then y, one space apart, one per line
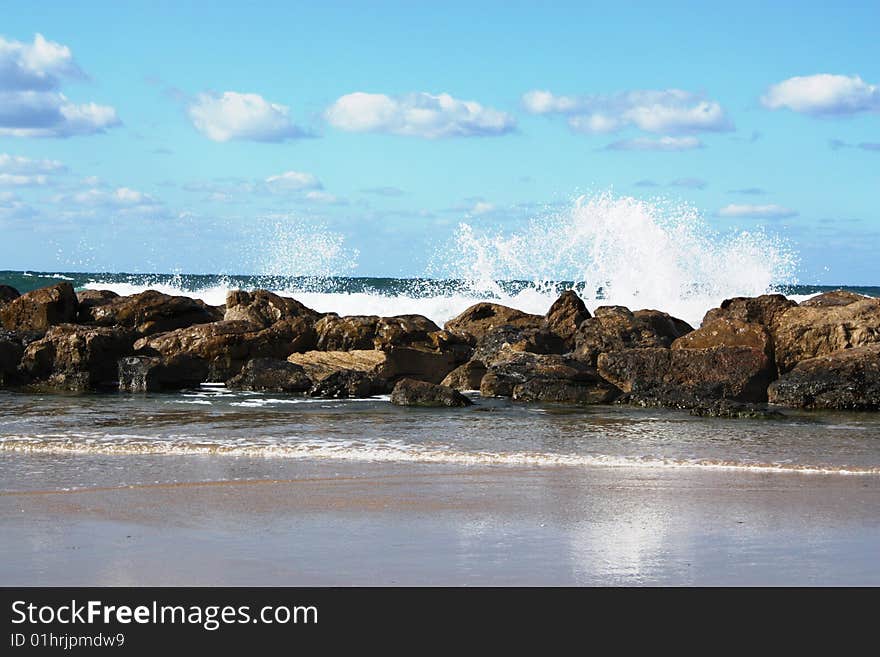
353 332
384 367
833 298
361 332
88 299
565 316
272 375
502 338
466 377
804 332
225 346
342 384
263 308
153 373
844 380
482 318
726 332
686 377
404 331
321 364
613 328
152 312
8 293
11 351
77 357
40 309
409 392
546 378
762 310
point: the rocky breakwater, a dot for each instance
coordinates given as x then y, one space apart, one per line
823 353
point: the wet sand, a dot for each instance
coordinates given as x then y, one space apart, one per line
348 523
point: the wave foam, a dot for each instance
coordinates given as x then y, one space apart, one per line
402 453
612 250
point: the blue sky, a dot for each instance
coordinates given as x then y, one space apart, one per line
150 136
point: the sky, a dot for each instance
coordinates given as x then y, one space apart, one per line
233 137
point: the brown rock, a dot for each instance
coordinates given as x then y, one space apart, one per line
566 315
271 374
227 345
152 312
11 351
409 392
804 332
352 332
833 298
753 310
466 377
385 367
547 378
685 377
614 328
513 338
843 380
8 293
152 373
404 331
88 299
40 309
321 364
77 357
342 384
727 333
262 308
481 318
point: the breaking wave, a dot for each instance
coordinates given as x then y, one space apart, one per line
613 250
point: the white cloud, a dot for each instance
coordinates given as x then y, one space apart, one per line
661 144
236 116
12 208
417 115
318 196
24 165
293 181
31 103
823 95
756 211
120 202
38 65
482 207
119 197
21 180
670 111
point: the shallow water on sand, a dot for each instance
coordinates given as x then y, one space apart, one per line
249 428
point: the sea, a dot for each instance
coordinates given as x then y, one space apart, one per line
611 250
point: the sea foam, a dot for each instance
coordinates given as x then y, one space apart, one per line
614 250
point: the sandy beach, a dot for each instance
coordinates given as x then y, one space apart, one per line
336 522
